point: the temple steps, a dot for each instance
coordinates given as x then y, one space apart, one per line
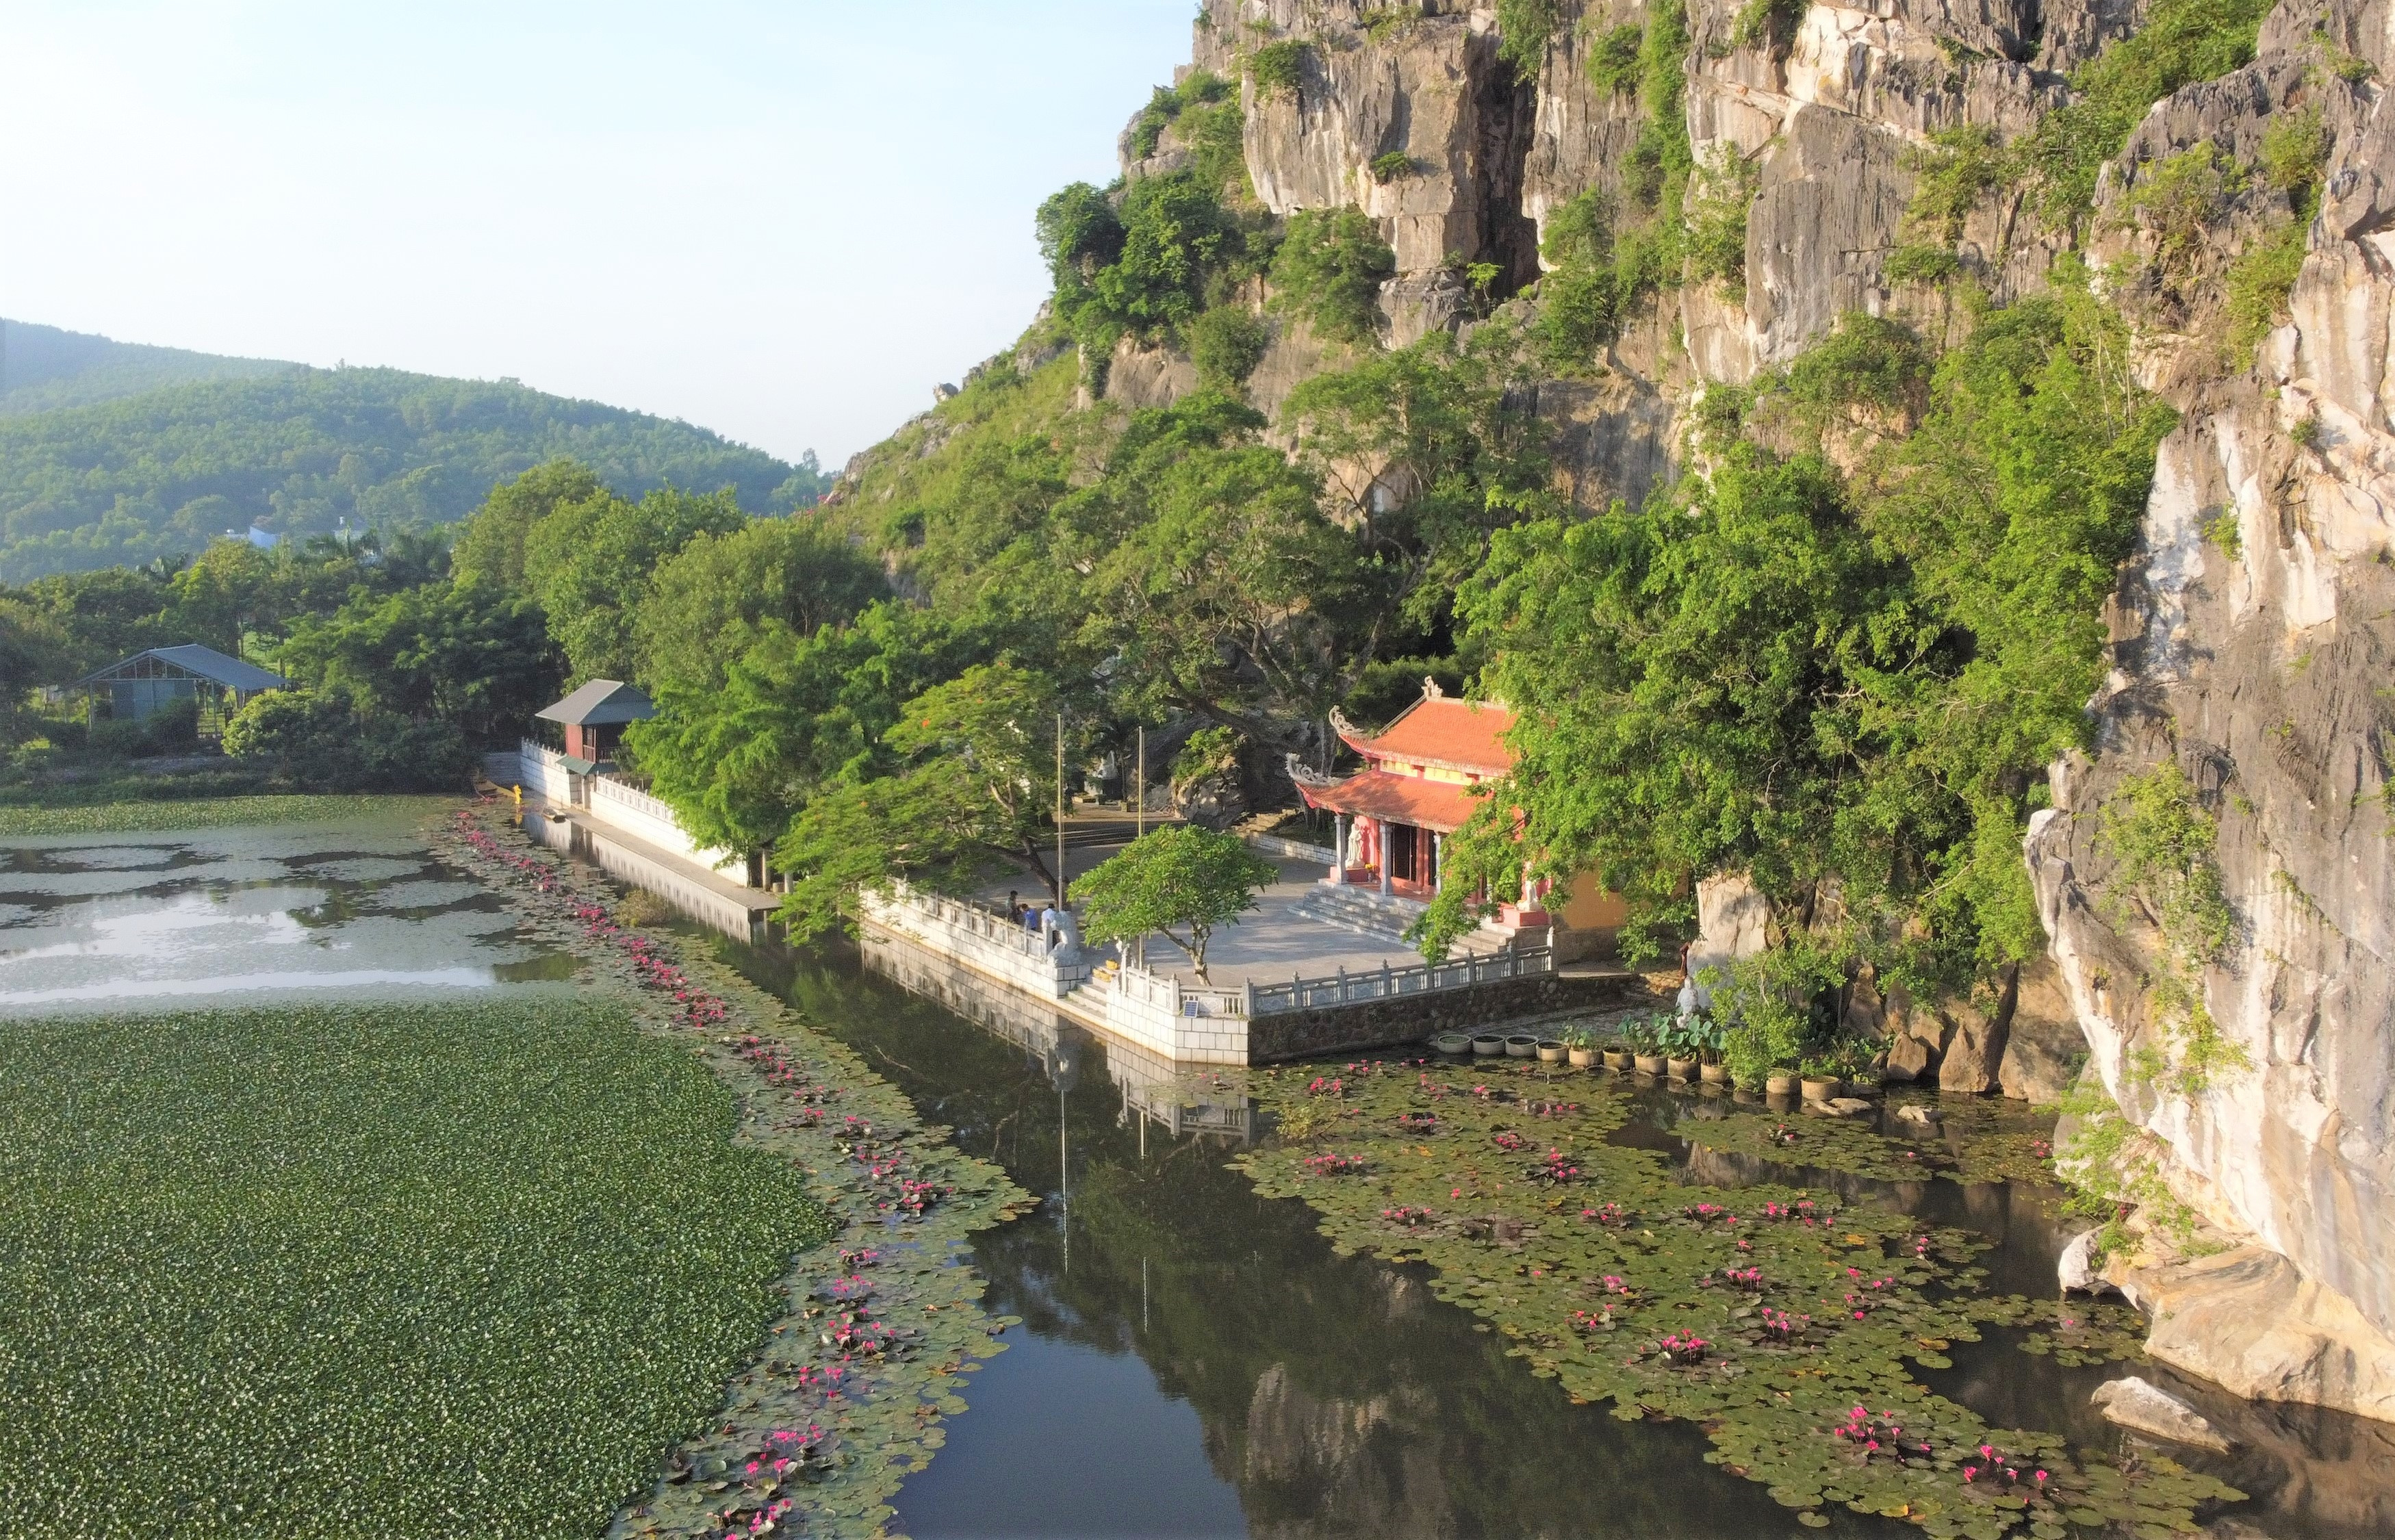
1367 912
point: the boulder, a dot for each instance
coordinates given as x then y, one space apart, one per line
1910 1058
1920 1116
2143 1407
1976 1052
2043 1047
2077 1269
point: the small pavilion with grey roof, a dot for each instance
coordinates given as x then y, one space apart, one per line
594 718
147 682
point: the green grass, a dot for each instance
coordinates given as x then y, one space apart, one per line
363 1272
126 818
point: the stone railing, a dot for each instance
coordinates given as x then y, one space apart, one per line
1187 1023
1357 988
645 818
981 940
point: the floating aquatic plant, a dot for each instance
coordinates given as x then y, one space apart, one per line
1625 1294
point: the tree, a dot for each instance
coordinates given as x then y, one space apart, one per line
323 742
490 548
1180 882
793 716
1330 269
977 782
711 601
588 563
471 656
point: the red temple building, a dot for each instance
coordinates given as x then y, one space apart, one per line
1417 789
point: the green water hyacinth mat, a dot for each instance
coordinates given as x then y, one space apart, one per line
157 818
879 1327
1776 1320
397 1270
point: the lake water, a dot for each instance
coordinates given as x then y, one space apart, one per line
1194 1361
243 916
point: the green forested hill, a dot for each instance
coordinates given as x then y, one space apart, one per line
43 368
161 472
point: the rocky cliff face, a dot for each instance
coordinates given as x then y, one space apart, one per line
2254 637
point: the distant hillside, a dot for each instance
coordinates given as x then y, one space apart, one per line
297 450
43 368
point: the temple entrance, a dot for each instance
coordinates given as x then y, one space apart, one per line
1406 855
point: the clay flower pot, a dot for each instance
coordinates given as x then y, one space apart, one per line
1819 1090
1617 1058
1581 1058
1551 1051
1521 1045
1487 1044
1683 1068
1778 1085
1452 1042
1714 1074
1650 1063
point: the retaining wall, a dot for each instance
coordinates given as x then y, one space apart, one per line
1409 1019
645 818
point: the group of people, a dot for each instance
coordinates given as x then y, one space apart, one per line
1038 920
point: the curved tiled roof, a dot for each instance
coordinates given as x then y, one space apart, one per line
1442 731
1441 806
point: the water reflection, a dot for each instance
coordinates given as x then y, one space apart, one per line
107 922
1196 1360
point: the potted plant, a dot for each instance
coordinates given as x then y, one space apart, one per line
1452 1042
1551 1050
1821 1078
1646 1038
1780 1082
1580 1046
1487 1045
1521 1044
1712 1040
1683 1038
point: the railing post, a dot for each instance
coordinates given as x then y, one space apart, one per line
1248 999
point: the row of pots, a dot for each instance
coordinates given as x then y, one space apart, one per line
1554 1051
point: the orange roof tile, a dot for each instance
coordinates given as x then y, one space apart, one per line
1453 734
1438 805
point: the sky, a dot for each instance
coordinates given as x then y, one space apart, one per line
786 222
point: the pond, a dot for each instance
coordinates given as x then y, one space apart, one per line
240 916
1195 1360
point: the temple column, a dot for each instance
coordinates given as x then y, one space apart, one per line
1388 878
1340 836
1438 863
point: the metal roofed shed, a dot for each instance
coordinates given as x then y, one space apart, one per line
594 716
147 682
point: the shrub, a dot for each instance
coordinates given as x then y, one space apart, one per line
2257 285
2181 41
1613 63
1716 219
321 742
2178 198
1920 264
1330 269
1524 30
1387 168
1770 23
1226 343
1277 68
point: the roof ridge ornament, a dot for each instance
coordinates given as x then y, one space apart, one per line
1433 689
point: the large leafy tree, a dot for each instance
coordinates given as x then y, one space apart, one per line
1216 586
1847 687
473 656
588 565
709 602
490 548
793 715
976 783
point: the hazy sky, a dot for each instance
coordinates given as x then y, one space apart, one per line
784 221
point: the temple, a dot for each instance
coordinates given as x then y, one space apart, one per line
1418 788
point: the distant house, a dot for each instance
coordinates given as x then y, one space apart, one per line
594 718
146 683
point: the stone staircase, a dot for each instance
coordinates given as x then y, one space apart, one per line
1365 912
